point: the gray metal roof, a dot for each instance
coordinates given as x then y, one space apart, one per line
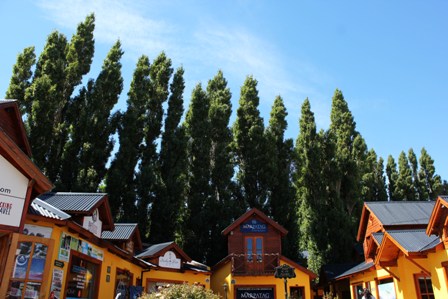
356 269
150 251
71 201
41 208
122 231
7 101
414 240
378 237
402 212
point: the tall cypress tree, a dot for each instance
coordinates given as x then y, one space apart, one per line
404 187
249 147
392 177
221 209
282 199
173 157
148 176
21 78
374 187
92 125
430 181
120 180
350 156
197 124
59 70
413 164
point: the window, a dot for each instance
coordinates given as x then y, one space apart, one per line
386 288
424 287
358 289
82 277
254 247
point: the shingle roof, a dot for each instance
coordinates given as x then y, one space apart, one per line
356 269
41 208
122 231
72 202
150 251
402 212
414 240
378 237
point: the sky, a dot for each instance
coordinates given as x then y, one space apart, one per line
389 58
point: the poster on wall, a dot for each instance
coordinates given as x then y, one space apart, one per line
56 282
69 243
38 231
13 188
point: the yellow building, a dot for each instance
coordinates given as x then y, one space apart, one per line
254 246
404 256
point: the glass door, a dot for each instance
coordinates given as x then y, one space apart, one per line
27 266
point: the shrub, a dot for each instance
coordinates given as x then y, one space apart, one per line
186 291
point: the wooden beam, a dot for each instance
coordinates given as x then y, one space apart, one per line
390 272
418 265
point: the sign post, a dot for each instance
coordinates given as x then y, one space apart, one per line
285 271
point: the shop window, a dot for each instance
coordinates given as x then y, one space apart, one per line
358 289
297 292
153 286
424 287
123 281
82 277
254 248
27 267
386 288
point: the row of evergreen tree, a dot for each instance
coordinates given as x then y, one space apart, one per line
187 178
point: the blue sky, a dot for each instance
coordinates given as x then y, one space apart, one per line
389 58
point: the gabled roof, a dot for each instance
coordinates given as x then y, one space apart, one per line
83 204
413 241
11 122
157 250
41 208
396 213
14 147
362 267
251 213
123 232
438 217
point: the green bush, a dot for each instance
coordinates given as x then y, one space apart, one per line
177 291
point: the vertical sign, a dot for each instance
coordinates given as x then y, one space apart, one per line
13 187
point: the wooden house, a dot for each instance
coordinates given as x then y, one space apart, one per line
254 252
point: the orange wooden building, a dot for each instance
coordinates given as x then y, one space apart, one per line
254 251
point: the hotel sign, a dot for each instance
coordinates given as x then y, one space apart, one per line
169 260
264 293
254 226
13 188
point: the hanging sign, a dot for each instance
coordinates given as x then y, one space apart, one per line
13 187
254 226
169 260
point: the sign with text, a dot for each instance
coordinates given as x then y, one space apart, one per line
13 187
254 226
265 293
169 260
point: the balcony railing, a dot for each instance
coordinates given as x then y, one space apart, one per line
254 264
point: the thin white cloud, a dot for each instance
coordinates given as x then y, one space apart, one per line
202 46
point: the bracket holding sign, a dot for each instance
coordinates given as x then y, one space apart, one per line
286 272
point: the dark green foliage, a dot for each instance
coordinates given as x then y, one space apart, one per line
250 148
392 177
431 182
21 78
220 206
404 186
120 182
197 124
282 204
148 177
374 181
92 126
